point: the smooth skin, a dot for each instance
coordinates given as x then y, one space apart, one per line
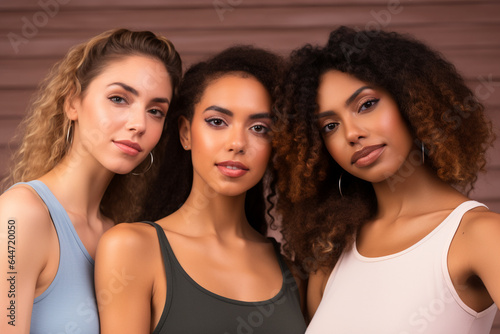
412 200
117 106
209 234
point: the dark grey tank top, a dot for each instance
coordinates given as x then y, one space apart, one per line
191 309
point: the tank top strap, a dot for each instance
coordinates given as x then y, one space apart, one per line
167 253
453 221
62 223
283 266
57 212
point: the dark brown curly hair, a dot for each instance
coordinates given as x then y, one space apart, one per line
175 178
439 109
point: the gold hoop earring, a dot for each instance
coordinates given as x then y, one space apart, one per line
69 134
340 185
149 167
423 153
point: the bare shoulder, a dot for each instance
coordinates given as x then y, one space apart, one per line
133 246
27 231
22 199
130 248
127 260
22 206
481 224
479 236
128 238
479 245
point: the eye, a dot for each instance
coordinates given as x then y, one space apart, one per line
368 104
117 99
157 113
260 129
215 122
329 127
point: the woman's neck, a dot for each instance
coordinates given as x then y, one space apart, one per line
79 186
210 213
413 190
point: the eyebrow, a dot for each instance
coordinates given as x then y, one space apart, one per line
220 109
260 115
231 114
126 87
324 114
136 93
355 94
161 100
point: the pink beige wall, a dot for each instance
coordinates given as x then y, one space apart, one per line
35 33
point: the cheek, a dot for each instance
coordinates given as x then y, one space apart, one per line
401 135
95 131
204 141
335 149
392 124
94 117
259 150
155 130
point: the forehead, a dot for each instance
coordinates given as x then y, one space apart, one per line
338 81
235 88
137 68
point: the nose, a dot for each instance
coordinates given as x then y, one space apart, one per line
137 120
354 131
237 140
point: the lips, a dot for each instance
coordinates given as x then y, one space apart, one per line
367 155
128 147
232 168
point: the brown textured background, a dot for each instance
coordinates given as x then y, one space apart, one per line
466 32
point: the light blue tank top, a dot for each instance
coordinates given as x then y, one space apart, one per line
69 303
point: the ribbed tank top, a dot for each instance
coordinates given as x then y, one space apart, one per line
191 309
69 303
407 292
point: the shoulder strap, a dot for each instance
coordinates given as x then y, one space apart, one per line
56 210
164 245
288 277
62 223
455 218
165 251
277 251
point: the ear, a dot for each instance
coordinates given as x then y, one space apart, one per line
185 132
72 106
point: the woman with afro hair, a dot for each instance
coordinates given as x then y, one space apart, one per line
377 141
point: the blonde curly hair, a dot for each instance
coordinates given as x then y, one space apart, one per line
44 129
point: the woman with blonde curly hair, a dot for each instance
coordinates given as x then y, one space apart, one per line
78 171
378 133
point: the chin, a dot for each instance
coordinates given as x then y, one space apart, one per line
122 170
376 176
231 190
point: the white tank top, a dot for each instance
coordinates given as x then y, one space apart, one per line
407 292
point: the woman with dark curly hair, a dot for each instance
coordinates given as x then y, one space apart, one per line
377 132
213 270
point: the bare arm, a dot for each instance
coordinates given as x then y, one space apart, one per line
315 288
26 235
482 236
124 279
301 281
